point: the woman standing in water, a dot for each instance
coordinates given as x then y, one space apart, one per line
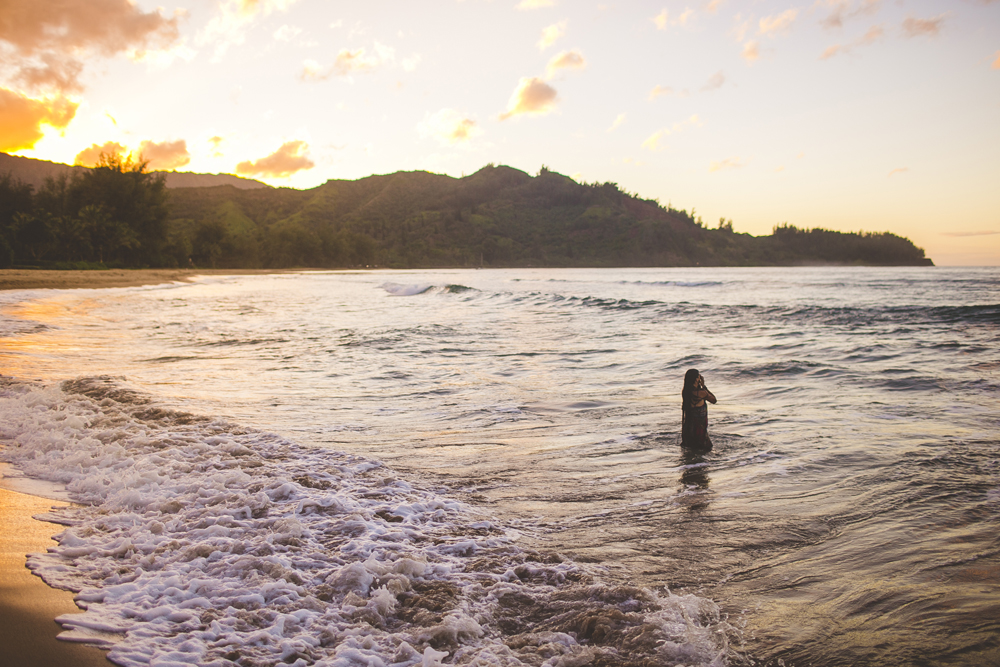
694 412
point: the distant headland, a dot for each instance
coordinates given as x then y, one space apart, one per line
118 214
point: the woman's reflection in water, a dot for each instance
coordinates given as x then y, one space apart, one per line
694 478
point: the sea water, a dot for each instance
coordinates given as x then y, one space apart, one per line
482 466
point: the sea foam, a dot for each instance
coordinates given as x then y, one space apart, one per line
202 542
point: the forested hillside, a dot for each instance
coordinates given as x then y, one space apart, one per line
497 217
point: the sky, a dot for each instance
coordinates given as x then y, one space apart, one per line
851 115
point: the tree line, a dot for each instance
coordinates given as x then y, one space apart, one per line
118 214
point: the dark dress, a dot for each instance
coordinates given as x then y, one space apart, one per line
694 429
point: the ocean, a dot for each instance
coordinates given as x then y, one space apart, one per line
482 467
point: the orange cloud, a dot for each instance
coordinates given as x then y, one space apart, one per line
661 20
22 118
551 34
751 51
282 163
996 63
89 157
900 170
565 60
923 27
531 97
618 121
49 37
449 127
165 156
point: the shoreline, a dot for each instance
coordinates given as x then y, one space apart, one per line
29 606
31 279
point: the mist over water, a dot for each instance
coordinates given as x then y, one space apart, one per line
846 516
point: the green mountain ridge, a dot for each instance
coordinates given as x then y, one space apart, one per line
497 217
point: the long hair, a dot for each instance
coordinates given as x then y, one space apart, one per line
687 393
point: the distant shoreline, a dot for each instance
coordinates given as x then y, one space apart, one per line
29 279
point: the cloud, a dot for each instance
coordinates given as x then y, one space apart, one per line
659 91
359 61
960 234
874 34
831 51
842 10
662 20
618 121
229 27
714 82
741 30
900 170
751 51
287 33
216 143
728 163
531 97
685 16
450 127
410 64
565 60
535 4
551 34
996 63
49 39
89 157
313 71
282 163
22 118
653 142
772 26
165 156
356 61
713 6
923 27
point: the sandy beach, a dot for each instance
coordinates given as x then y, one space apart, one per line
27 279
28 607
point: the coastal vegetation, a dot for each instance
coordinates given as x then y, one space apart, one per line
119 214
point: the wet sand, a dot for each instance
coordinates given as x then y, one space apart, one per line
28 607
28 279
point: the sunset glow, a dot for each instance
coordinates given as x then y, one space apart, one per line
843 114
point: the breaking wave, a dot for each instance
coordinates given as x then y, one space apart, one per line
203 542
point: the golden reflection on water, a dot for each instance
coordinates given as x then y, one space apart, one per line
38 353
